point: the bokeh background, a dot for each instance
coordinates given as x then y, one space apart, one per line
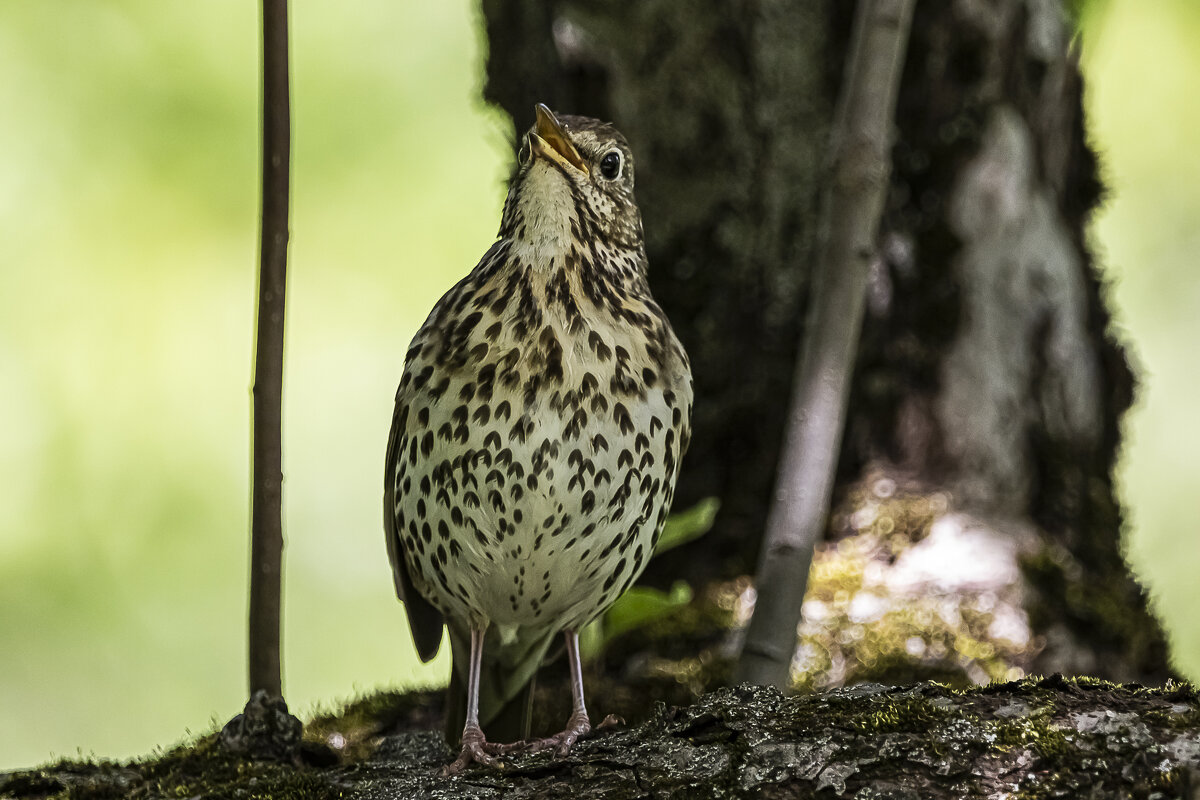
128 225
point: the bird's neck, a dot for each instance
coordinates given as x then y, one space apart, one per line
545 256
542 248
547 228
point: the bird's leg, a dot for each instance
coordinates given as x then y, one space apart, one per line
474 745
578 725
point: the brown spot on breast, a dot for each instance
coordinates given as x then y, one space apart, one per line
622 418
520 429
422 377
588 384
531 389
602 350
485 378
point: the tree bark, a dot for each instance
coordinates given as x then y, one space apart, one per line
1042 739
989 385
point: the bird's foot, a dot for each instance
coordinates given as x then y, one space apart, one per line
476 749
578 727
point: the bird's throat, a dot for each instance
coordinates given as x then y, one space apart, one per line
545 208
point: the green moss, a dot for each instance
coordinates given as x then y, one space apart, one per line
1033 732
206 770
1175 782
899 714
351 729
1185 721
199 770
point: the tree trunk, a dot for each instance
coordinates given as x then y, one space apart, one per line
727 108
976 469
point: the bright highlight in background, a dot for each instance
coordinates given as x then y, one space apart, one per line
128 224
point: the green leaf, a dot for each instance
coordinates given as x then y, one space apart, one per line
641 606
687 525
591 640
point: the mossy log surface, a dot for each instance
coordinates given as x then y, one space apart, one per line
1044 738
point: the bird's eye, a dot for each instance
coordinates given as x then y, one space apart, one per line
524 153
610 165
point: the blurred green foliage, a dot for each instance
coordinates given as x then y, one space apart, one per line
684 526
128 225
128 206
1142 61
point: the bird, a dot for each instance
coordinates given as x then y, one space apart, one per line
542 413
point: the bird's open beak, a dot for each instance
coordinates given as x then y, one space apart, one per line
549 141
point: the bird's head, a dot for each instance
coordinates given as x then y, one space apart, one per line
574 181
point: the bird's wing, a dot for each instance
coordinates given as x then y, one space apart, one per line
424 620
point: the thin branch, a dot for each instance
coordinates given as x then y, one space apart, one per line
860 168
266 548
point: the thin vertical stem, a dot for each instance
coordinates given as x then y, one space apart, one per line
861 165
266 548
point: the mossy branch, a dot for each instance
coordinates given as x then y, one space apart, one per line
1045 738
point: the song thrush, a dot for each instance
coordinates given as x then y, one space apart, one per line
543 410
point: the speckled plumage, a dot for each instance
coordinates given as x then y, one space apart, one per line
540 420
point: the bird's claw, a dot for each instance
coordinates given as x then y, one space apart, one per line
611 721
578 727
476 750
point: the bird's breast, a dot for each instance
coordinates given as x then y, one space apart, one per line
542 439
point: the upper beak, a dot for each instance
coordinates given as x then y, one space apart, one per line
549 141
